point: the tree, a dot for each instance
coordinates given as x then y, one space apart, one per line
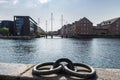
39 33
4 31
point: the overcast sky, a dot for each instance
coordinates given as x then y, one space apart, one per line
72 10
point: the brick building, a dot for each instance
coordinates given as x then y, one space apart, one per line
84 27
81 27
64 31
108 27
100 31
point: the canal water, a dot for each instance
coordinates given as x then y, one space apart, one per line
97 52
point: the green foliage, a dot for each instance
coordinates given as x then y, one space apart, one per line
4 31
39 33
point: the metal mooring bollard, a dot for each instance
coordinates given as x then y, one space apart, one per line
70 69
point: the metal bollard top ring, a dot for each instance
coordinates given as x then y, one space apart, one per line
69 65
70 69
92 72
37 71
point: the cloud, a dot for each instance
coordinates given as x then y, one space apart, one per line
3 1
9 1
15 2
44 1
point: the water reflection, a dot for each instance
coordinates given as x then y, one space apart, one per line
22 51
96 52
22 48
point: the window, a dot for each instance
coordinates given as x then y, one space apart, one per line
117 28
19 25
19 19
84 25
117 32
84 21
117 25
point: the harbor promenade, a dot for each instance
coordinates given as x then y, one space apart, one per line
12 71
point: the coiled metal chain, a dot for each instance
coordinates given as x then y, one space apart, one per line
70 68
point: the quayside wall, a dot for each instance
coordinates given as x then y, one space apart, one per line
12 71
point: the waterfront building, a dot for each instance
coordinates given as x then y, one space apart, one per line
63 31
69 30
100 30
0 25
84 27
24 26
8 24
73 29
81 27
109 27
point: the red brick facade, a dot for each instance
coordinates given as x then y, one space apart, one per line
81 27
109 27
85 27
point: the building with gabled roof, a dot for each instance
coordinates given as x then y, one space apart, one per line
84 27
111 27
107 22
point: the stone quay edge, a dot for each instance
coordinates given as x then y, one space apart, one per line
12 71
